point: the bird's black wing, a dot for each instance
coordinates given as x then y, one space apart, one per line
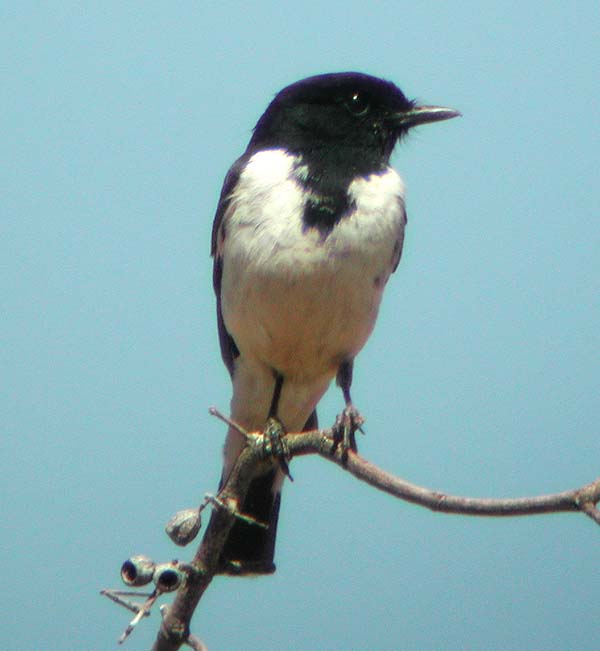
400 241
229 350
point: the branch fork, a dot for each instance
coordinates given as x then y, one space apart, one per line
175 626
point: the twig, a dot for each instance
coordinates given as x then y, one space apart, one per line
144 611
133 606
213 411
175 627
321 443
195 643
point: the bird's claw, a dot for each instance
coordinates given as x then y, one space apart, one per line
274 444
345 427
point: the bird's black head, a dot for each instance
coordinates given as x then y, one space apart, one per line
342 118
342 126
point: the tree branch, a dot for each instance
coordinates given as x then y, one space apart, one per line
321 443
175 626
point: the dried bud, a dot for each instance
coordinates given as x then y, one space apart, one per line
168 576
137 570
184 526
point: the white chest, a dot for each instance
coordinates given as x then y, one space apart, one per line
292 298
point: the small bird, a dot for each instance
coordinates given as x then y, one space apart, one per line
309 226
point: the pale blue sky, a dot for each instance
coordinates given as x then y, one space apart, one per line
119 121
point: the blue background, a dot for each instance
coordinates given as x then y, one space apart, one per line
119 123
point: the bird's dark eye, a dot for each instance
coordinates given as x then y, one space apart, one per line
358 103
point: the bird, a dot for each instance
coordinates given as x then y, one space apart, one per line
309 227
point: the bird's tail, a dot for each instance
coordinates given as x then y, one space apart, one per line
250 549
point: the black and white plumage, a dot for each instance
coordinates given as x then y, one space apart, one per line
309 227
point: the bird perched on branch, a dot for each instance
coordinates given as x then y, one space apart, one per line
308 229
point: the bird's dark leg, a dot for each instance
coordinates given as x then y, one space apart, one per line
350 420
274 430
276 395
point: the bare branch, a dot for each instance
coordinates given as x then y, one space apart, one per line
321 443
254 458
195 643
175 626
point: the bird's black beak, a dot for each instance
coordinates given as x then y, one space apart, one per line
423 115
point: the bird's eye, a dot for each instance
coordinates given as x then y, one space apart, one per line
358 103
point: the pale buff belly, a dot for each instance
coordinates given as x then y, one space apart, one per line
302 320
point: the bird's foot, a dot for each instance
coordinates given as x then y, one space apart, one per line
345 427
274 444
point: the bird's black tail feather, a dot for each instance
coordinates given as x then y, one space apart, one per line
250 549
